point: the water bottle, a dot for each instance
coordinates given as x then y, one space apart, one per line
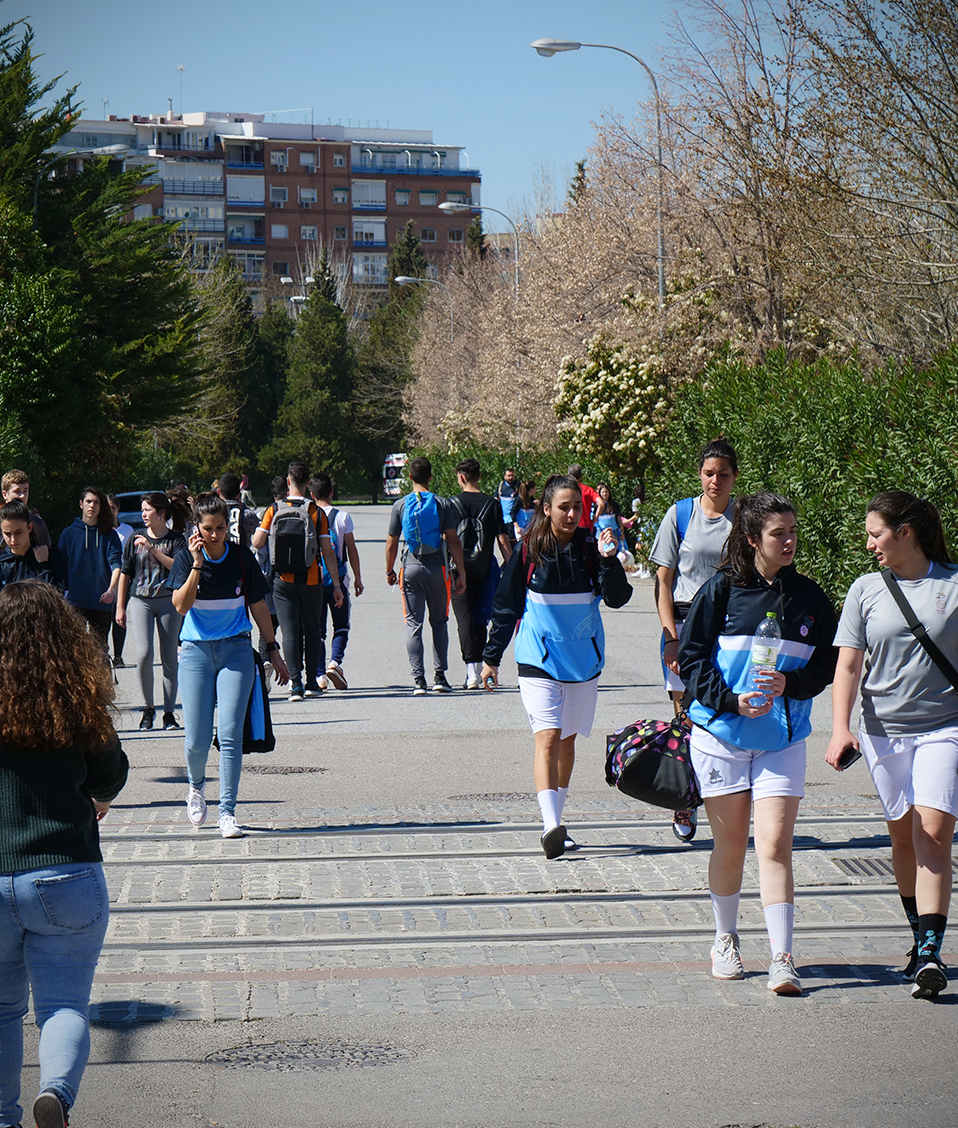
765 646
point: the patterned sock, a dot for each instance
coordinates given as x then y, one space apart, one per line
726 912
910 906
549 806
780 922
931 933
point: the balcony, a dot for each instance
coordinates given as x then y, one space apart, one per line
190 187
233 202
197 224
233 238
362 244
366 170
252 165
366 206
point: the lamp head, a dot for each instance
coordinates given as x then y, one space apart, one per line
549 47
406 280
452 206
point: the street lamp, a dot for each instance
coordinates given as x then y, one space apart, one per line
449 206
99 151
408 280
550 47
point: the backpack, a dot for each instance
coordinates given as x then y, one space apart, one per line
476 550
420 523
683 515
340 550
235 529
293 544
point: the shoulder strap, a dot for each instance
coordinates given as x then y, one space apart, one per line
918 630
683 515
460 508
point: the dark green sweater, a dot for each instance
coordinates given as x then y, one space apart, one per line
47 817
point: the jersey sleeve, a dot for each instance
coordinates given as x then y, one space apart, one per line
665 548
179 573
267 518
851 625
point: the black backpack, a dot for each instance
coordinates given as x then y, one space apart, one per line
476 546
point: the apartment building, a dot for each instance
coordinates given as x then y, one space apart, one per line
273 194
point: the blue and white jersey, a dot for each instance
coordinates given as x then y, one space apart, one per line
219 610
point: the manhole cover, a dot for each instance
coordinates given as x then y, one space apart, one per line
277 769
493 797
865 867
293 1057
127 1012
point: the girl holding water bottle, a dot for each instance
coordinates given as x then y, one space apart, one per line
749 730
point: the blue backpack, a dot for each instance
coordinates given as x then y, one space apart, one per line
683 515
339 549
420 523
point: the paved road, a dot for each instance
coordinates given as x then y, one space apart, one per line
388 945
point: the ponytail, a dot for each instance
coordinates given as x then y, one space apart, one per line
174 508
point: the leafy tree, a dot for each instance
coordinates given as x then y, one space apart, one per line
580 183
476 240
274 336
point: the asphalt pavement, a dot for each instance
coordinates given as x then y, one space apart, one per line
387 945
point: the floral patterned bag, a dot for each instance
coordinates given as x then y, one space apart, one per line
650 761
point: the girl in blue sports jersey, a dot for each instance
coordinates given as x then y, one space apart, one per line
748 746
214 584
554 587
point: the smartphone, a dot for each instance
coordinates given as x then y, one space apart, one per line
848 757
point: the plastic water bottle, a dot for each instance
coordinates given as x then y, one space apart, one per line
765 646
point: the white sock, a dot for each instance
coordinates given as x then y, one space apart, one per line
472 669
726 913
560 806
549 806
780 922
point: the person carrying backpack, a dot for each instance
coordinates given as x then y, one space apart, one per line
427 525
241 522
479 526
298 533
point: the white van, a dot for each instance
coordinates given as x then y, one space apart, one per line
394 469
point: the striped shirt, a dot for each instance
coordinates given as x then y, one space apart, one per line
219 610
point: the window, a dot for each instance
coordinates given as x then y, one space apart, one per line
456 197
279 230
427 235
307 160
369 194
278 196
428 199
455 234
369 231
143 211
307 197
280 268
307 233
251 266
403 196
369 269
340 233
340 195
339 160
278 160
246 189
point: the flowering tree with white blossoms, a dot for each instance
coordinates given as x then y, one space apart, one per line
612 404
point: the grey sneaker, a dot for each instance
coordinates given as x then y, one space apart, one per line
196 807
726 957
782 976
930 978
422 687
49 1111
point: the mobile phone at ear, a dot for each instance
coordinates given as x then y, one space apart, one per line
848 757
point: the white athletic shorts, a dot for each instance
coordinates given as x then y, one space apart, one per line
914 771
567 706
723 769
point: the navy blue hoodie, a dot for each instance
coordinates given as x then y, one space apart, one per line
91 558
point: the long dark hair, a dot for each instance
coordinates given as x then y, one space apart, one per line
104 520
173 507
526 492
719 448
751 513
539 539
898 508
209 505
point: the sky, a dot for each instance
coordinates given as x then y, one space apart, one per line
465 71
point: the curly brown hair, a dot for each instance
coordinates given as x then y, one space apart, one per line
55 688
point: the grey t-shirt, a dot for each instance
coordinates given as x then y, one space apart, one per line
447 520
903 691
698 556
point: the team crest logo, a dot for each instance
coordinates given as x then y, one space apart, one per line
808 621
715 776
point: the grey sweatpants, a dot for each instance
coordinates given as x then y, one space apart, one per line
424 589
142 616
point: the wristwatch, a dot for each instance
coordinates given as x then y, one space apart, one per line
271 646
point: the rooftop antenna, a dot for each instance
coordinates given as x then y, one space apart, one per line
170 100
104 102
180 70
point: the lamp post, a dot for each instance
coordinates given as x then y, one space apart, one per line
100 151
549 47
451 207
408 280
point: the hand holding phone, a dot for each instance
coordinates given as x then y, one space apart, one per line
848 757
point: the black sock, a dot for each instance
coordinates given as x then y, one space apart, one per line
910 906
931 933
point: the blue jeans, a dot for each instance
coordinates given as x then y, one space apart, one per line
340 618
216 675
52 925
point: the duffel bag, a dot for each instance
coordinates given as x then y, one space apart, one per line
650 761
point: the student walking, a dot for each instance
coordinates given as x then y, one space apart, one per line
146 603
748 744
908 731
553 586
93 555
216 587
61 765
22 556
688 550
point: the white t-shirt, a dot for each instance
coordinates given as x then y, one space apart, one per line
697 558
903 691
342 525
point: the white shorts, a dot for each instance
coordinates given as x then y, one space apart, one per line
567 706
913 771
673 683
724 769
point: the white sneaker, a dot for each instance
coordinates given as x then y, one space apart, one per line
323 682
334 672
196 807
228 827
782 976
726 958
473 682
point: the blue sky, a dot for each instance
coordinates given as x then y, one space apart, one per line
466 71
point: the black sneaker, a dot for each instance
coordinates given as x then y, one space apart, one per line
49 1111
930 978
685 824
439 683
119 664
553 842
146 721
908 971
422 687
170 722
